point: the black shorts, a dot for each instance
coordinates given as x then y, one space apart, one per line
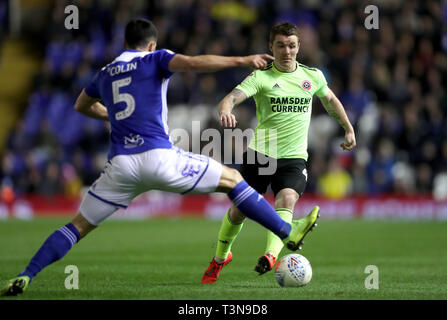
290 173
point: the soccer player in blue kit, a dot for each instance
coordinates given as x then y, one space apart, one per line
133 89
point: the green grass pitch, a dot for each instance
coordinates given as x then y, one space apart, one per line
165 258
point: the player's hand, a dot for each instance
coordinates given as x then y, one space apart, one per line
349 143
258 61
227 120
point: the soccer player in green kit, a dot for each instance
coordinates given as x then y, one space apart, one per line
283 94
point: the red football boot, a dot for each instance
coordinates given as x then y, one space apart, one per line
212 273
265 263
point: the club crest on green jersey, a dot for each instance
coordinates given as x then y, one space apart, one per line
306 85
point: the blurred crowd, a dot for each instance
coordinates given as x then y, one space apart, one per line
391 82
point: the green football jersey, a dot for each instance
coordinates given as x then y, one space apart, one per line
283 108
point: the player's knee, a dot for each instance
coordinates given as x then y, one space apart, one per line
235 177
229 179
286 198
83 226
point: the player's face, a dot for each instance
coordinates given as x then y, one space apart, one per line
285 49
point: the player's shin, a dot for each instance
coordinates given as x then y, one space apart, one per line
227 234
274 243
54 248
255 207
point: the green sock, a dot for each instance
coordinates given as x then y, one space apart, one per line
274 243
227 234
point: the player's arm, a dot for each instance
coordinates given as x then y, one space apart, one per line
335 109
91 107
210 63
235 97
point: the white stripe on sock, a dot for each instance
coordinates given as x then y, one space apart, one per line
67 234
240 195
245 196
242 198
71 234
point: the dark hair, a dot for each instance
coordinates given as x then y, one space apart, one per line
285 29
139 32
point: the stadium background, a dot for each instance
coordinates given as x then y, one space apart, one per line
391 81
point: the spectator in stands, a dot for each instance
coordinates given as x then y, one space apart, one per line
398 72
335 183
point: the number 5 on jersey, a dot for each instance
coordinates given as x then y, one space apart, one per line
123 97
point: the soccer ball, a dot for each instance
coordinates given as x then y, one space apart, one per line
293 270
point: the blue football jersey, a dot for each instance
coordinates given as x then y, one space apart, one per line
133 88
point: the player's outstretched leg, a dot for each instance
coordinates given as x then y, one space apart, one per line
53 249
15 286
227 234
255 207
212 273
274 245
300 228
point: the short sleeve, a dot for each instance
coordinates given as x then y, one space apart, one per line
323 87
92 89
163 57
250 85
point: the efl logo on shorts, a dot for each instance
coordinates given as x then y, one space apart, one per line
306 85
